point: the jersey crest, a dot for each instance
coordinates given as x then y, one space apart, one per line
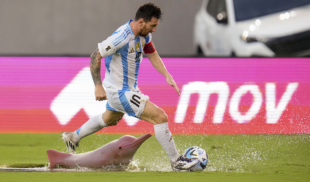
143 42
138 47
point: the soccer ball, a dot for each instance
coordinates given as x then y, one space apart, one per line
197 153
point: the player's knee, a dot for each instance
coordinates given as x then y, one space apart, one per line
162 117
111 119
112 122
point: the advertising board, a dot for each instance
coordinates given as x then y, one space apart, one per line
218 95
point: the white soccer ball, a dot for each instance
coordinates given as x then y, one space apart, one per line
197 153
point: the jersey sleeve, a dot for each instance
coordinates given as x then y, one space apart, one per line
116 41
149 47
148 38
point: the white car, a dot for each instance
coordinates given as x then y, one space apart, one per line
246 28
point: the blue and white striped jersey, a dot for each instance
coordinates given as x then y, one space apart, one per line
123 55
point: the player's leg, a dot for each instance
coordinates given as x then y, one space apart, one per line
136 104
159 119
94 124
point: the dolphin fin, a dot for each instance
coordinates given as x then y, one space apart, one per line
54 157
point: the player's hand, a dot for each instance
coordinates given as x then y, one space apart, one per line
100 93
171 82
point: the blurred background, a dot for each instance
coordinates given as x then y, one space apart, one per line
74 27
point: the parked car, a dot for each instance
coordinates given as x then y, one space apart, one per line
253 28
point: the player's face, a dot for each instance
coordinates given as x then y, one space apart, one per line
148 27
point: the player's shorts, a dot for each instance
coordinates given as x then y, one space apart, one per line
126 101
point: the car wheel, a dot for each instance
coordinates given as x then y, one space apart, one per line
233 55
199 51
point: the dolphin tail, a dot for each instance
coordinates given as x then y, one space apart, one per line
54 157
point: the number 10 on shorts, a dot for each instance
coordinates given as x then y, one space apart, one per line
135 101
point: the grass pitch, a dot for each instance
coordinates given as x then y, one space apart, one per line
231 158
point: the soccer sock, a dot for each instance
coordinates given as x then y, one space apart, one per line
93 125
164 137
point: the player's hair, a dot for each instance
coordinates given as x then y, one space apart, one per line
148 11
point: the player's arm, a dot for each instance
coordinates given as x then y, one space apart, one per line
160 67
105 48
95 65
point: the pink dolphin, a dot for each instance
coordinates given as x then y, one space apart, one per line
116 153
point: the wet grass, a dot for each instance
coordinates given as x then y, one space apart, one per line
231 157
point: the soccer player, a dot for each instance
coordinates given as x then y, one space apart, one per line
123 54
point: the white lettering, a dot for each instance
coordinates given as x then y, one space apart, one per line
77 95
255 107
274 113
204 90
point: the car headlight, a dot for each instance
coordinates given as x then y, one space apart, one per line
245 37
249 39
